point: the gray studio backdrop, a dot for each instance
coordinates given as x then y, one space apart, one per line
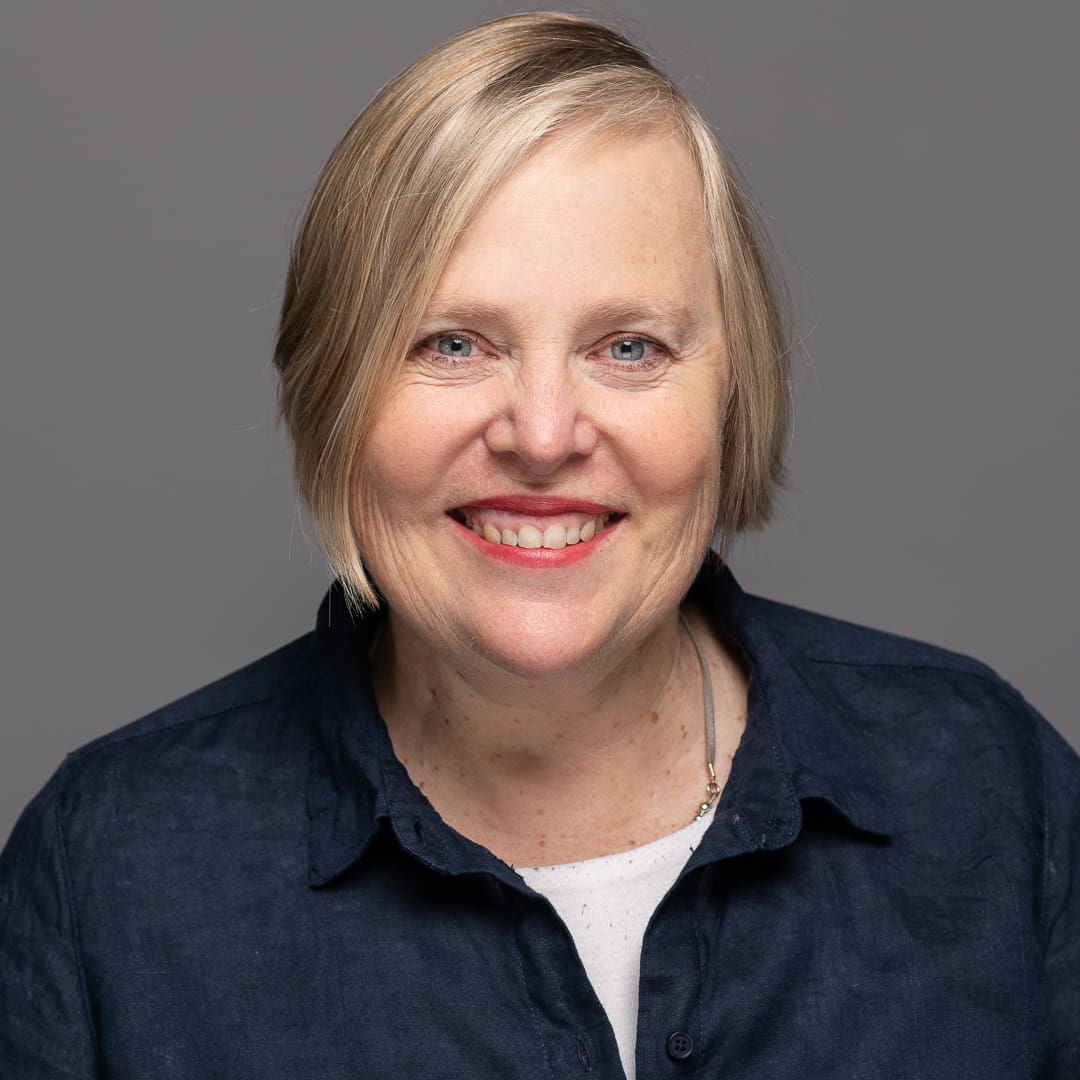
918 165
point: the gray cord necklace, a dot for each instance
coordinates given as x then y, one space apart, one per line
712 788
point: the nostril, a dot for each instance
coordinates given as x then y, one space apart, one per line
542 429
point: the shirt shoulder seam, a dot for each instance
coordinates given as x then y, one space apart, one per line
973 668
118 738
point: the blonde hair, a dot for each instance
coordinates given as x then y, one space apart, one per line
403 183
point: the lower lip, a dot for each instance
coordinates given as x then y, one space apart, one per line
536 558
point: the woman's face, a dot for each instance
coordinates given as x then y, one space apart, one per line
541 486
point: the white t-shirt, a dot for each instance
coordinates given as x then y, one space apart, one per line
606 904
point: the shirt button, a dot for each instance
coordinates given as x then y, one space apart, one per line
679 1045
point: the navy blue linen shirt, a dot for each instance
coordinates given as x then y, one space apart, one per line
247 884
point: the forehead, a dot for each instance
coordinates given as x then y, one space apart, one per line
614 215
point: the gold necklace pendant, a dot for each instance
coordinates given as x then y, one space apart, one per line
712 789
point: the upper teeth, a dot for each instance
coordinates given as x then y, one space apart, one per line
569 529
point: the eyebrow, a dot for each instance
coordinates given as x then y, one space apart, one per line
678 319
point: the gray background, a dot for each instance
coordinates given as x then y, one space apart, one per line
918 163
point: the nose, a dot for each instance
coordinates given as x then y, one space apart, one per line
543 423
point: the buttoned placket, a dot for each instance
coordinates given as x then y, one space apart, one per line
759 810
572 1030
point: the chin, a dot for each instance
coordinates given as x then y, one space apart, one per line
543 649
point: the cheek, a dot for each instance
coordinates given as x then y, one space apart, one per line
394 476
677 457
411 448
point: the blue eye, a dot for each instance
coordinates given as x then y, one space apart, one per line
453 345
629 349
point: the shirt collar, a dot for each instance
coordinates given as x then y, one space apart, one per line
799 744
345 800
356 785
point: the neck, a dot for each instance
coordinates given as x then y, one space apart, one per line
554 770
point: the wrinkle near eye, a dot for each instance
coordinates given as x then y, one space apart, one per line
679 324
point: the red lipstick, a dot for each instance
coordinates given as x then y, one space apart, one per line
535 558
518 513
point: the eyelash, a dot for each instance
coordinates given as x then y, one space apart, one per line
659 354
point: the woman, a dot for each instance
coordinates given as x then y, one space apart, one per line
545 793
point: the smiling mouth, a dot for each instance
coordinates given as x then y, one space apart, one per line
551 531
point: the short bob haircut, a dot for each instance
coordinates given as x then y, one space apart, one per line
405 181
